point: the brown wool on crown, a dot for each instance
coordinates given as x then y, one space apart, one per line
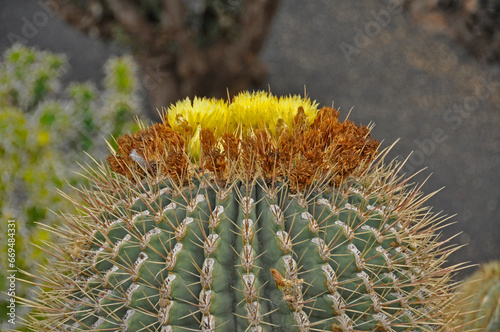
302 155
161 148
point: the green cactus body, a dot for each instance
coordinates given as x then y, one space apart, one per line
227 248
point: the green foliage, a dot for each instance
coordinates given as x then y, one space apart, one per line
45 134
28 76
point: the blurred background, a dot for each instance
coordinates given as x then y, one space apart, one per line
425 72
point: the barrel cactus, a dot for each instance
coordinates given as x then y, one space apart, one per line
479 300
255 214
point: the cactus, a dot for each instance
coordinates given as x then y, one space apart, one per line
259 214
479 300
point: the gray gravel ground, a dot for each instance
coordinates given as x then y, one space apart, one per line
422 89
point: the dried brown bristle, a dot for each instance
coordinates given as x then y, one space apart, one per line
301 155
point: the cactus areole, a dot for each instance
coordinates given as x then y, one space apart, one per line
263 213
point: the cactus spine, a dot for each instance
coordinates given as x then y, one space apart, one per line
263 214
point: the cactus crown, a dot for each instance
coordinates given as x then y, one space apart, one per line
255 134
263 214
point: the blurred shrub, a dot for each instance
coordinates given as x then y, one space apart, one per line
45 133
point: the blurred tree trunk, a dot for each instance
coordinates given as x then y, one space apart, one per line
185 48
473 23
